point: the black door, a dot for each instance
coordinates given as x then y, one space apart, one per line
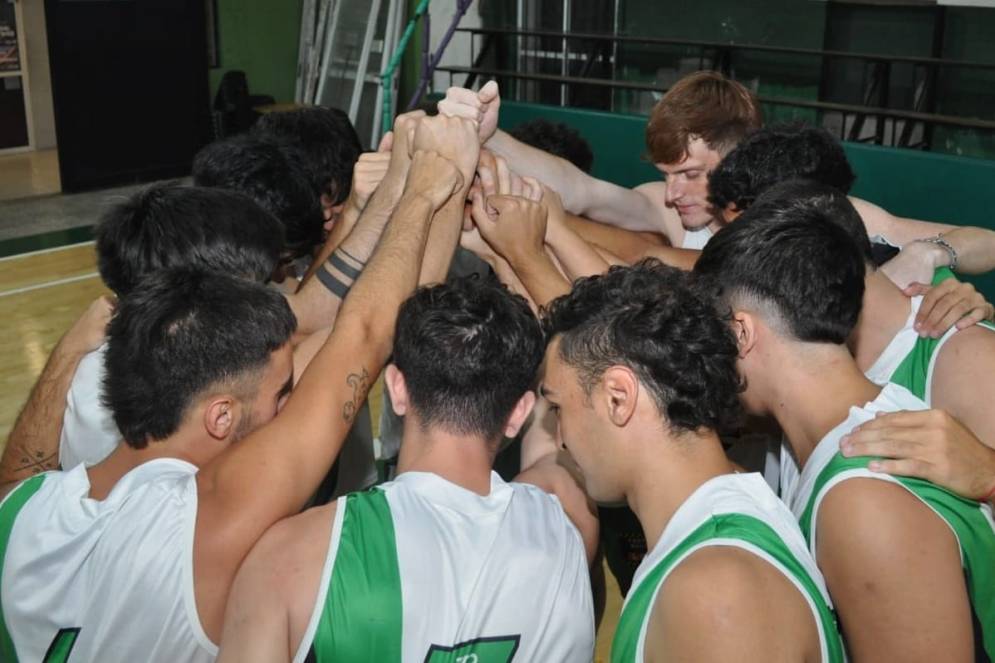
129 84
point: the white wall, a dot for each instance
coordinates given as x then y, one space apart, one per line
458 51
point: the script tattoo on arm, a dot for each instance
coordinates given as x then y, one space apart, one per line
360 383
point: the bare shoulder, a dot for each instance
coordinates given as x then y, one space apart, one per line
758 612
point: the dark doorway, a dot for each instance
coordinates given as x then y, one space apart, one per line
129 85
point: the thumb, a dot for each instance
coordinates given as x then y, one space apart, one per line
387 142
915 289
488 92
502 203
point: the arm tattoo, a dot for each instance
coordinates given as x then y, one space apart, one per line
360 383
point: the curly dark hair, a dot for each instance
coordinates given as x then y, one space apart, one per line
468 349
655 320
774 154
556 138
328 141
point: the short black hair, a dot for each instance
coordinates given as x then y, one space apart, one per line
655 320
178 333
794 262
469 349
272 173
168 225
774 154
827 201
328 141
558 139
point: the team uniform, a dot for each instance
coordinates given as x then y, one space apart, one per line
970 522
89 433
909 360
696 239
736 510
108 580
420 569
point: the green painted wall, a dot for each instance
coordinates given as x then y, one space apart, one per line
260 37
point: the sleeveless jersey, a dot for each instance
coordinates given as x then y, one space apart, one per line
89 433
110 580
909 360
422 570
738 510
970 522
696 239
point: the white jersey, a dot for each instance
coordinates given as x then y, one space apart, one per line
696 239
108 580
433 572
89 433
737 510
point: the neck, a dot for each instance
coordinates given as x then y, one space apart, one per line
104 475
716 224
464 460
666 470
815 387
884 313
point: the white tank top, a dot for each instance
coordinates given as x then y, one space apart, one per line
108 580
696 239
430 571
89 433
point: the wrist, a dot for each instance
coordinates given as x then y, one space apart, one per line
937 251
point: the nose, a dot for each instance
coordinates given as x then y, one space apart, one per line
675 190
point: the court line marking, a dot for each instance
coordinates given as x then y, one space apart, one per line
49 284
43 251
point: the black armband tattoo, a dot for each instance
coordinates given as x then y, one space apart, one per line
332 283
338 263
351 257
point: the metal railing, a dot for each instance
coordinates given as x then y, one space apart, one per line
720 56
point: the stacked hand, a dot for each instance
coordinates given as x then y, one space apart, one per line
453 138
90 329
369 172
506 209
927 444
433 177
481 107
947 304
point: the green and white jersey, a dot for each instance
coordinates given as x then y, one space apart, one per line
108 580
422 570
738 510
909 360
970 522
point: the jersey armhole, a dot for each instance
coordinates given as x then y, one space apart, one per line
300 656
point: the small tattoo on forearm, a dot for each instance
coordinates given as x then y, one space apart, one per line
37 462
360 383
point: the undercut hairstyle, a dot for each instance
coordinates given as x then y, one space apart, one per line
704 105
172 226
774 154
794 264
800 195
180 333
272 173
328 141
653 319
468 349
557 139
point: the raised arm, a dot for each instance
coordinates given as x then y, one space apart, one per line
581 193
318 300
271 474
33 444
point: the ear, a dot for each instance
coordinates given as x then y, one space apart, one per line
523 408
746 327
393 379
620 391
220 417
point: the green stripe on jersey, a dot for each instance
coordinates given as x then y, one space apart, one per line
965 517
726 526
8 514
361 618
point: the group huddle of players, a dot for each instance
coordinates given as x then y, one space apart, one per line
702 372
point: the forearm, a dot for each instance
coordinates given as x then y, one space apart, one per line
316 306
975 248
559 174
539 276
33 444
579 259
443 237
341 230
669 255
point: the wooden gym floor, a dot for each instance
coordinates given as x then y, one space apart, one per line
43 292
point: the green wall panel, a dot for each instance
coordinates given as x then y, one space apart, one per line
260 37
